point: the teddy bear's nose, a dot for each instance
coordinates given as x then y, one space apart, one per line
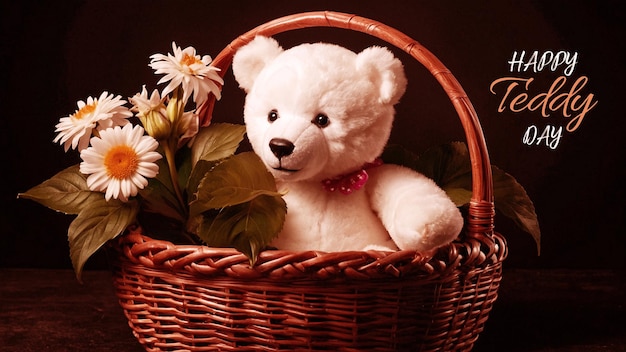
281 147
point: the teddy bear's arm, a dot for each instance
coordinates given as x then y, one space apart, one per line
417 213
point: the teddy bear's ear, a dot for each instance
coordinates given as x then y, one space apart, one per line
385 70
251 58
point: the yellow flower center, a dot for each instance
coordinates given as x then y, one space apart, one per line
121 162
189 60
85 110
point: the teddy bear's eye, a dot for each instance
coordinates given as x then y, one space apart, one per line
272 116
321 120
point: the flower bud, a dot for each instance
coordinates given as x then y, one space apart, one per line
186 128
152 113
156 124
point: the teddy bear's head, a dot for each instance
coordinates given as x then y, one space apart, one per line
319 110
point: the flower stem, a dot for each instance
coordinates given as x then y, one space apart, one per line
175 108
170 150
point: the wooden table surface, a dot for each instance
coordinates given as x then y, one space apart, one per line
537 310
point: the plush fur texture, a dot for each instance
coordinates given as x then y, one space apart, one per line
318 111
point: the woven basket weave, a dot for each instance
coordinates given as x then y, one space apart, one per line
196 298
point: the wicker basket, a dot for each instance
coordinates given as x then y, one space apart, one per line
196 298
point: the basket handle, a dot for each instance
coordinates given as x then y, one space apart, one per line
481 208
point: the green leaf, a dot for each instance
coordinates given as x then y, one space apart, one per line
211 146
197 174
448 165
459 196
217 141
159 195
157 198
398 155
98 222
183 160
66 192
249 227
235 180
512 201
164 176
237 205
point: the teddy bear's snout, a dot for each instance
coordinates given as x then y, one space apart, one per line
281 147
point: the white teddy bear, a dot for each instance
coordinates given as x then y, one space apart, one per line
319 116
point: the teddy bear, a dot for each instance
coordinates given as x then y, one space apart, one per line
319 116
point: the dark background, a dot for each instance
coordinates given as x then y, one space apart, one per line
58 52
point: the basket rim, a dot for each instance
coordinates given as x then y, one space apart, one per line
137 248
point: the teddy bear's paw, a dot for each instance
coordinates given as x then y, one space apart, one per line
423 236
412 239
380 248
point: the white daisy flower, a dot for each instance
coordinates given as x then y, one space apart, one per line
142 104
188 70
120 161
104 112
152 113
